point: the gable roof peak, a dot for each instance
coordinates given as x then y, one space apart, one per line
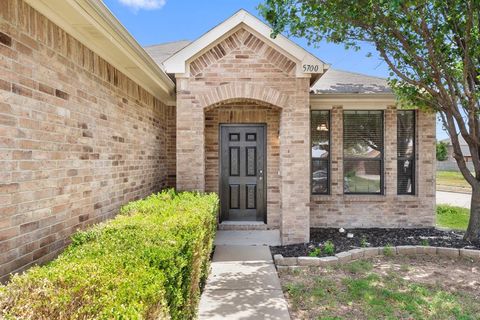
243 19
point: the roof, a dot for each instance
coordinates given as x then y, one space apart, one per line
163 51
177 62
93 24
463 145
337 81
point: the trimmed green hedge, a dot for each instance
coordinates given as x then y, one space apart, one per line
147 263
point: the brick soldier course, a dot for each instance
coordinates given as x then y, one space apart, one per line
88 123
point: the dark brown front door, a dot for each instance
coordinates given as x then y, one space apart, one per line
242 172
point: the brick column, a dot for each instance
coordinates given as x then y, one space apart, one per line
295 166
390 151
190 140
336 149
426 157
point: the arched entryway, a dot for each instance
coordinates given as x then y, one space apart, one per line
242 159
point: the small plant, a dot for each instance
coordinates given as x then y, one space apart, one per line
329 248
404 268
442 151
359 266
424 242
316 252
363 242
388 250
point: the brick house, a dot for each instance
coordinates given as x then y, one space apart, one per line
89 120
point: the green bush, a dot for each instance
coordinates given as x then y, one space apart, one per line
329 248
147 263
442 152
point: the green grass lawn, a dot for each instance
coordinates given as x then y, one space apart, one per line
383 289
451 179
452 217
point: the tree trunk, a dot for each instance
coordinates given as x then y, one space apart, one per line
473 230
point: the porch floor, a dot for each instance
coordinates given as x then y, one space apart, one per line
243 282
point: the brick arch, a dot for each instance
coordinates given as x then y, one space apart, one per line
247 91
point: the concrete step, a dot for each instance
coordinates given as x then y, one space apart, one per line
242 225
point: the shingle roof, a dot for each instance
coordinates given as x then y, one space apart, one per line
337 81
463 144
333 81
163 51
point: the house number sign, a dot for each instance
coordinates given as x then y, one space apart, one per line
310 68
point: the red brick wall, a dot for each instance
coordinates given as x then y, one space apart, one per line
77 138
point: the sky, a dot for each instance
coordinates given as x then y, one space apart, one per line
158 21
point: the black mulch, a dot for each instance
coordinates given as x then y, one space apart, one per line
375 237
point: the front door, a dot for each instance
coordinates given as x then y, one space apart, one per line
242 172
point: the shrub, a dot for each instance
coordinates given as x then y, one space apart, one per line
147 263
364 242
388 250
329 248
316 252
442 152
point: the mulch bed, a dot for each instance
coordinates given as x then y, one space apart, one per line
376 237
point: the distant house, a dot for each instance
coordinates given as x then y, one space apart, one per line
450 163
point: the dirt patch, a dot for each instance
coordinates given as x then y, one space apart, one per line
399 287
375 237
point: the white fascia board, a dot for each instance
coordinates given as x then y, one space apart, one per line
92 23
177 63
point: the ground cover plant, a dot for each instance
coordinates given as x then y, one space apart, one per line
147 263
452 217
385 288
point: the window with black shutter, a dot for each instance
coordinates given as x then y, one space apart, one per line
320 156
363 152
406 152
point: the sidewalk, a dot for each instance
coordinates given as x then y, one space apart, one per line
243 282
454 199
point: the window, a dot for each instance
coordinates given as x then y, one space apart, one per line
363 152
320 139
406 152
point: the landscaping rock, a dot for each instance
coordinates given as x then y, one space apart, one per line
344 257
328 261
278 258
370 252
308 261
448 252
357 253
290 261
427 250
469 253
406 250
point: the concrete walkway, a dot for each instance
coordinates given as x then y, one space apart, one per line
243 282
454 199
